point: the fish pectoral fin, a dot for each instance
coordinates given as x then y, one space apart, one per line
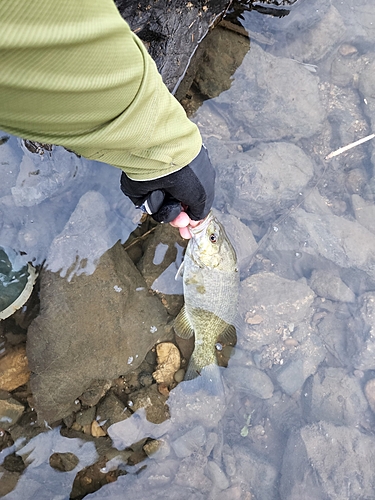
229 335
180 271
182 325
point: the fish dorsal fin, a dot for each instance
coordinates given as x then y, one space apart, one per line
182 325
229 335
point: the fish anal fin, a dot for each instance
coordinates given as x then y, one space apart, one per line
182 325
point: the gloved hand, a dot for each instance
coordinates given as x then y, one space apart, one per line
191 188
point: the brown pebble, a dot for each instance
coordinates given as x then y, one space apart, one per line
63 462
14 370
347 50
163 389
96 430
169 361
76 426
255 319
86 429
291 342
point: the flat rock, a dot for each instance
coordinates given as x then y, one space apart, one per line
75 341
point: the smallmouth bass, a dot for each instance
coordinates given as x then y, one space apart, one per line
211 287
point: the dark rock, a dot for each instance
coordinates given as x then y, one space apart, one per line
160 263
80 338
14 463
85 417
95 392
223 52
63 462
153 402
172 31
111 410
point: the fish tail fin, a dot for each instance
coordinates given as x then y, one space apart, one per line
207 378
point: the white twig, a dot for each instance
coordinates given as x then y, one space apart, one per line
349 146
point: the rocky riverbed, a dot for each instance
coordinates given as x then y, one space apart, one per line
104 411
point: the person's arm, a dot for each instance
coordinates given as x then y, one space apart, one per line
73 74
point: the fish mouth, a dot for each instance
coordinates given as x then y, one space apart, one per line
198 230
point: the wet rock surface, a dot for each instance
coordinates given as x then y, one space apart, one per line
85 330
172 32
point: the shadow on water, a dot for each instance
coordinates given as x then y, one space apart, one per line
273 94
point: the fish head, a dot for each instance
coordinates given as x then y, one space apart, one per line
210 246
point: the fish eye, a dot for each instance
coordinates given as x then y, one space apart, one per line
213 238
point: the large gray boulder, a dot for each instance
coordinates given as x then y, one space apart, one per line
95 327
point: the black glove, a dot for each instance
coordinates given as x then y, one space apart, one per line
191 186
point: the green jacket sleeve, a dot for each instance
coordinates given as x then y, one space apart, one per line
72 73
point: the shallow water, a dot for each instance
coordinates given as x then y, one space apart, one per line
297 419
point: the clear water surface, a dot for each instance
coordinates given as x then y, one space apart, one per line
297 421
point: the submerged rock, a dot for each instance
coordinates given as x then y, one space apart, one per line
94 327
265 180
344 242
365 359
334 396
325 461
265 94
249 379
277 303
330 286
